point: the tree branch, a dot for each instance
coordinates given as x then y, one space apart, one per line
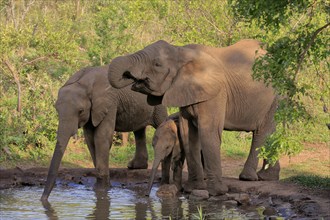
310 43
12 10
17 81
26 9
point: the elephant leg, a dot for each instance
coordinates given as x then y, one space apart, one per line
177 173
89 138
211 118
269 172
166 166
210 141
103 141
249 171
194 160
140 160
259 136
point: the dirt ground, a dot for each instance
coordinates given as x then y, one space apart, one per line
312 203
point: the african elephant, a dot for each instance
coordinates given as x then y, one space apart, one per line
215 91
87 100
168 149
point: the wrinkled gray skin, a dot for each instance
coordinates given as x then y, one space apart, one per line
168 149
87 100
215 91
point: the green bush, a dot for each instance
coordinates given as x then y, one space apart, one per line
45 42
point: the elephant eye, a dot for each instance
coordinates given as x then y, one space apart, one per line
157 63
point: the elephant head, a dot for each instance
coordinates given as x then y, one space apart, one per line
166 148
168 74
82 97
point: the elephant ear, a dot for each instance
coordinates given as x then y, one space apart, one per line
100 104
199 79
77 76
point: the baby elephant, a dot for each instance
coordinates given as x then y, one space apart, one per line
168 149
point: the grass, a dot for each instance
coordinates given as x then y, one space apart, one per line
199 215
236 144
311 181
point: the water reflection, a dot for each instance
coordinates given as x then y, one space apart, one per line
49 211
102 205
120 202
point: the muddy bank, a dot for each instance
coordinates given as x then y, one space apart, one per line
274 196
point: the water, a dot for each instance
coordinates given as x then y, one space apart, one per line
120 202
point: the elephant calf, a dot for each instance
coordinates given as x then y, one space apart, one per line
87 100
168 149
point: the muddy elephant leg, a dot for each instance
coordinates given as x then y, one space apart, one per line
103 141
177 173
249 171
269 172
89 138
210 141
193 156
210 131
140 160
259 136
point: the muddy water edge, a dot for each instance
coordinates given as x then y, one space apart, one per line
74 197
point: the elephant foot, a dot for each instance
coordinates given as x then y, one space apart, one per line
138 164
164 181
248 174
216 189
102 184
272 173
189 186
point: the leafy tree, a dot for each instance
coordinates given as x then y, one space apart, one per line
38 49
44 42
297 37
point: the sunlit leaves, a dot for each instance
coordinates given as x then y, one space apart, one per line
280 143
47 41
296 36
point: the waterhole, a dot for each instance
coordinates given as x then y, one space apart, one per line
75 201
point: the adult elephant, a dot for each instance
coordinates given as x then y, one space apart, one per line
87 100
215 91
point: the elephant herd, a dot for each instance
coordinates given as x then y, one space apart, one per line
213 89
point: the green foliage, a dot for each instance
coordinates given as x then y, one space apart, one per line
236 144
120 155
295 34
311 181
45 42
200 215
269 13
279 143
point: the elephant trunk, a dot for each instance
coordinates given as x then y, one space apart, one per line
125 70
119 75
53 168
153 174
63 138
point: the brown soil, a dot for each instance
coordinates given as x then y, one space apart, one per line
285 191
